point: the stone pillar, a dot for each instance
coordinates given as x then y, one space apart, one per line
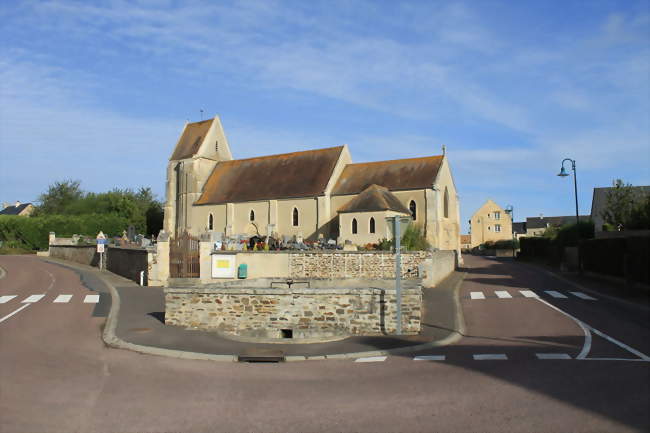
205 258
159 262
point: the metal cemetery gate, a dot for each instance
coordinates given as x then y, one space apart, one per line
184 257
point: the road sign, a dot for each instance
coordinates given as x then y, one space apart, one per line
100 248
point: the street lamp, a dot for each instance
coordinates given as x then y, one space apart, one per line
563 173
510 210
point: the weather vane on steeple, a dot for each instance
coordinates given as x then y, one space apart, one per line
444 150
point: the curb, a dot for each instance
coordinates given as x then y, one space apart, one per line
112 340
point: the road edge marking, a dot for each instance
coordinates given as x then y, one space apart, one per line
14 312
586 347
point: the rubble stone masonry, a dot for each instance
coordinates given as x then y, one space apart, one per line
297 313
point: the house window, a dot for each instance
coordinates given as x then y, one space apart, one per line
497 215
354 226
497 228
372 225
210 222
489 228
295 217
446 203
413 209
252 215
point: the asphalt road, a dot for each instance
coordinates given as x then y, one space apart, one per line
57 376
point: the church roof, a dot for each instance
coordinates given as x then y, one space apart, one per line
374 198
191 140
399 174
290 175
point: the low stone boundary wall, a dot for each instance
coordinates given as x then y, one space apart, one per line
293 313
84 254
368 265
128 262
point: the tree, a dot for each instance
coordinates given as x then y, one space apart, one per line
619 204
59 196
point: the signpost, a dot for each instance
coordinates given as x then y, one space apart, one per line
101 242
397 225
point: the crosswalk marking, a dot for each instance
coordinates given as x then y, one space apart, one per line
490 356
7 298
552 356
583 296
371 359
555 294
477 295
429 358
91 299
529 294
502 294
33 298
62 299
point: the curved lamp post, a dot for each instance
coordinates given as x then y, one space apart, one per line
510 210
563 173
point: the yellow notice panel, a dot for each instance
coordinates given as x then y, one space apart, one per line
223 265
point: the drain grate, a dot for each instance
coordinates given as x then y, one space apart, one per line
257 354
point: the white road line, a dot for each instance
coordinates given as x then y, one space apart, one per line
62 299
583 296
7 298
429 358
32 299
616 359
477 295
502 294
620 344
529 294
555 294
12 313
371 359
586 347
553 356
91 299
490 356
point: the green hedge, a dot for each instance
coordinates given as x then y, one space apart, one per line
618 257
33 232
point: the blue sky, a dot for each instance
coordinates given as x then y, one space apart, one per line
100 91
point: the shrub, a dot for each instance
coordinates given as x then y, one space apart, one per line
413 239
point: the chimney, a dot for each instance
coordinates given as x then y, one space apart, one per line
5 205
17 203
541 216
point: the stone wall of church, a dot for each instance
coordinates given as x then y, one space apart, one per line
297 313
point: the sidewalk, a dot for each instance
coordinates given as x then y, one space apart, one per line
137 322
605 288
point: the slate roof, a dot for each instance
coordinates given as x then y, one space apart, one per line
290 175
14 210
372 199
519 228
191 140
599 200
399 174
558 221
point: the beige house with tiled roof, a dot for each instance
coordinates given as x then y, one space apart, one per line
310 194
490 223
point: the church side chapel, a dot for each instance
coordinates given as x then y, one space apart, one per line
312 195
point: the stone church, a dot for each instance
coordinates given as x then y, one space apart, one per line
311 194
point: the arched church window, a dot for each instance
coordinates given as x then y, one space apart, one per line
216 146
446 203
252 215
413 209
210 222
372 225
354 226
295 217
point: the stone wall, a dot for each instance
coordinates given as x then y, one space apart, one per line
128 262
297 313
364 265
84 254
438 267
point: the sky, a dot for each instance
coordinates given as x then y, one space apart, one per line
99 92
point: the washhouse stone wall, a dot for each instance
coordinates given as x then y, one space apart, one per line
297 313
